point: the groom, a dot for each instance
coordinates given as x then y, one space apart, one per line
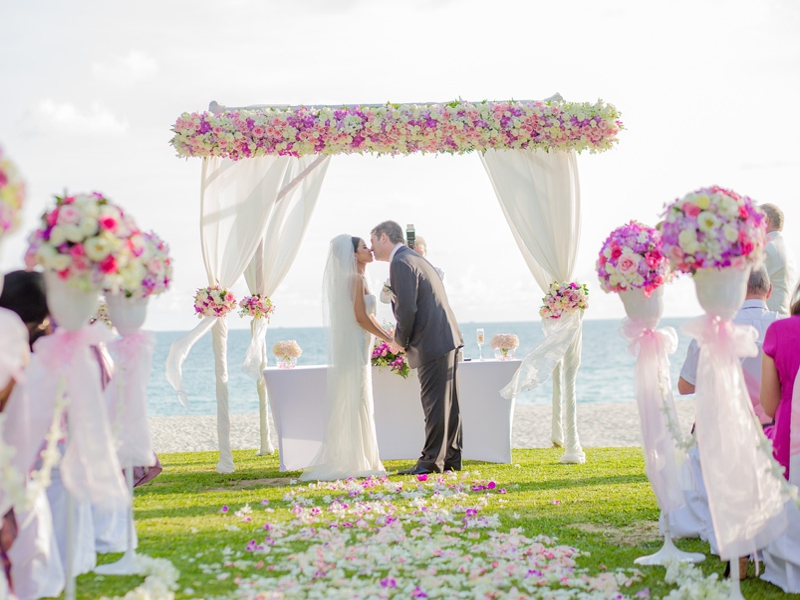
428 333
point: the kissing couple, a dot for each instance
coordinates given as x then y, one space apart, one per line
426 331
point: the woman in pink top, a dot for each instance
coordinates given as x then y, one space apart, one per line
780 390
779 369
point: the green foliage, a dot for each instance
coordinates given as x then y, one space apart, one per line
605 507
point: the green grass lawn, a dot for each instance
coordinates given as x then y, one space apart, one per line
605 508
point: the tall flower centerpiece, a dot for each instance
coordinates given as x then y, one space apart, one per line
287 352
632 264
716 235
79 243
504 345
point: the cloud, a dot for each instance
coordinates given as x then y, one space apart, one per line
126 71
68 118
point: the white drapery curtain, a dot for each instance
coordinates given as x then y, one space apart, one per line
539 193
286 227
237 199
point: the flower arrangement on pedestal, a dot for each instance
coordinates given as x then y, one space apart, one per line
81 240
382 356
256 306
504 345
564 298
713 228
145 267
287 352
632 257
213 301
12 195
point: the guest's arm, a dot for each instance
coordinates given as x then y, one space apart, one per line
770 395
684 387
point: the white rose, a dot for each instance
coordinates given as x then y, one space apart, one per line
73 233
687 238
731 234
707 221
88 226
61 262
57 236
45 255
97 248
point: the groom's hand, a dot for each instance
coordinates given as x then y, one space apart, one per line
395 348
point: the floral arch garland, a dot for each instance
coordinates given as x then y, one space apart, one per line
454 127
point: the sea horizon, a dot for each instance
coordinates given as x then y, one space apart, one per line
605 374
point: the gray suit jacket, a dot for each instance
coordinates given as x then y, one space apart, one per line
426 326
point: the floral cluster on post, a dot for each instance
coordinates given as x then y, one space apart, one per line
383 357
82 240
505 342
713 228
455 127
12 195
563 298
632 257
256 306
287 349
145 267
213 301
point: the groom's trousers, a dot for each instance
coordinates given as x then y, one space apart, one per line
438 380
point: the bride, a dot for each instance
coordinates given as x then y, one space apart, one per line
350 446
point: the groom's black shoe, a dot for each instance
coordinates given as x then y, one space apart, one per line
415 470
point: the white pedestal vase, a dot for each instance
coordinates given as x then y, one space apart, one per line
89 467
745 498
656 406
126 398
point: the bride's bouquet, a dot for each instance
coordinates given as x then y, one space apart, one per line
382 356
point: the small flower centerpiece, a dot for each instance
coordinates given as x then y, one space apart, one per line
713 228
12 195
383 357
287 352
563 298
213 301
256 306
504 345
632 257
81 240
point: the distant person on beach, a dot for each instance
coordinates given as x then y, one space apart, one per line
753 312
428 333
350 444
780 263
780 395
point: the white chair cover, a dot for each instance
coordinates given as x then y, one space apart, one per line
540 197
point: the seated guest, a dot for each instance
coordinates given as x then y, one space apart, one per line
35 565
780 396
779 262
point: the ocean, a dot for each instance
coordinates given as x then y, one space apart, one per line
605 375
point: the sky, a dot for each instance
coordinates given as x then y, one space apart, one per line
707 91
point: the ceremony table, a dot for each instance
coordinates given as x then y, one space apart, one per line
297 397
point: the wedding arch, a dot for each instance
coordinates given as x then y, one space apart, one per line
263 168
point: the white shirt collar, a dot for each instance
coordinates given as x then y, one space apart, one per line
394 251
755 303
773 234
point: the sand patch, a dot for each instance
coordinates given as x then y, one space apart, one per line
641 532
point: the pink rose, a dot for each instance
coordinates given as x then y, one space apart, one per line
69 215
229 297
80 263
626 265
691 209
107 222
109 264
77 250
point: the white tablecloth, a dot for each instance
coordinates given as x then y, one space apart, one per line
297 398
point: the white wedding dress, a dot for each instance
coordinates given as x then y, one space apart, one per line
350 446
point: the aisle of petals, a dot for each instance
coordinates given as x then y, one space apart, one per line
431 537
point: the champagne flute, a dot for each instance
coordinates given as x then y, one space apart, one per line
480 339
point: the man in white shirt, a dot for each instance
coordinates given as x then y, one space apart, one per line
779 262
753 312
